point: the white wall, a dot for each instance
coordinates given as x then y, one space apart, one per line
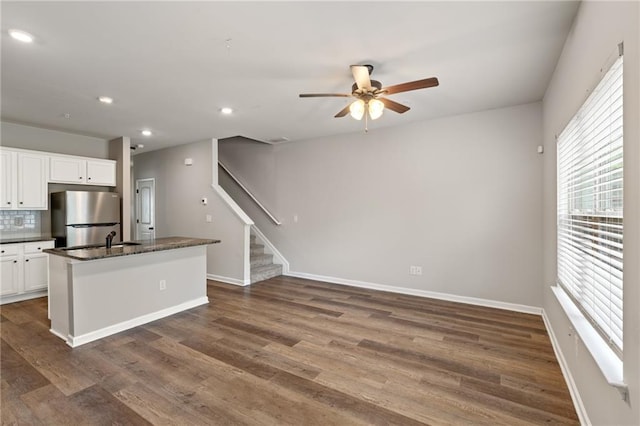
460 196
598 28
179 189
37 139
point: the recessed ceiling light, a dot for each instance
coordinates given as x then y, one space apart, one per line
146 132
22 36
226 110
105 99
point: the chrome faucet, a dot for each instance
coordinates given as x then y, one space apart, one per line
110 236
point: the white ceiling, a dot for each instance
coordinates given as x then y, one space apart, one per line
170 68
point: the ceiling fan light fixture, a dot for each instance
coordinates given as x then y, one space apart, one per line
376 108
357 109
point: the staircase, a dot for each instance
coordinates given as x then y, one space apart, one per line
262 266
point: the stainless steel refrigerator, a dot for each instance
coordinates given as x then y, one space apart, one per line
81 218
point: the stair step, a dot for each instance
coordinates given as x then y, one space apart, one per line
265 272
261 260
256 249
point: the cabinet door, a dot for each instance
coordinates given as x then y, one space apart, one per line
9 275
32 181
7 179
36 272
101 172
67 170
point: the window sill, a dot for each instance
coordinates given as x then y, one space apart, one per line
608 362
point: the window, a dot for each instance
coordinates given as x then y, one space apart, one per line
590 220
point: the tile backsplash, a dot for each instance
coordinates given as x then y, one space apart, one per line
20 223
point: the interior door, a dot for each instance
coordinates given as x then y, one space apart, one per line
145 209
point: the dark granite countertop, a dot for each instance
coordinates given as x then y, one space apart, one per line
19 240
128 248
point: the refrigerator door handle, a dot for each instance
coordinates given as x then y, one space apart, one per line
93 225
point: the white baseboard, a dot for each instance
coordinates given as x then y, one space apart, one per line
75 341
422 293
60 335
228 280
23 296
566 372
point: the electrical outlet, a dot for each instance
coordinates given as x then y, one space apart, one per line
208 218
163 284
415 270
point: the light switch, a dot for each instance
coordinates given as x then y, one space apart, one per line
208 218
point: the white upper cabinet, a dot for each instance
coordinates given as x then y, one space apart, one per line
101 172
82 171
7 178
67 170
24 176
24 180
32 181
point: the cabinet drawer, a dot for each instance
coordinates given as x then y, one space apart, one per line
37 246
9 249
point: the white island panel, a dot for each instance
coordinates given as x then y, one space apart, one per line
97 298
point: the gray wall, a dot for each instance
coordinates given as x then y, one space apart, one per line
460 196
37 139
179 189
598 28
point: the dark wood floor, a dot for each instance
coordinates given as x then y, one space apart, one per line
289 351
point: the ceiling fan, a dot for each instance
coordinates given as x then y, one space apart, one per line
369 94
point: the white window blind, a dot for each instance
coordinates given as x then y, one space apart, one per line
590 221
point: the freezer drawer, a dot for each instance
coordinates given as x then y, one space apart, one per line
81 235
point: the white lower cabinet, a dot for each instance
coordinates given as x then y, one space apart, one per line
9 275
24 270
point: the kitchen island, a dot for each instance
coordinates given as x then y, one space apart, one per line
96 291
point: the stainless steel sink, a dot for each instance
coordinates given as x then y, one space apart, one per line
124 244
99 246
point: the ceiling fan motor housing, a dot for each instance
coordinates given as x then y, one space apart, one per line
375 87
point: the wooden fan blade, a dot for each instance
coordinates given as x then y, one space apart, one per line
412 85
324 95
361 76
394 106
344 111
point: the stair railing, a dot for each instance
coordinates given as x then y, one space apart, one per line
244 188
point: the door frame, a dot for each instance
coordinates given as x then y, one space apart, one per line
137 207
